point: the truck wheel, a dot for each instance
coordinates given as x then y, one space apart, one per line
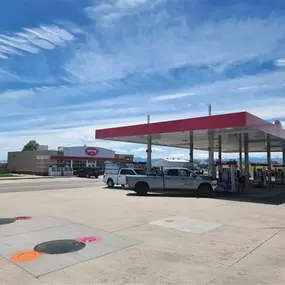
141 189
205 190
110 183
96 176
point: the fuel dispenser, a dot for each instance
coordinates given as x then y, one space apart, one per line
228 177
259 175
279 173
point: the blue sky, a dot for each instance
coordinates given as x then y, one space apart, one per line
68 67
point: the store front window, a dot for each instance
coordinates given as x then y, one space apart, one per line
78 164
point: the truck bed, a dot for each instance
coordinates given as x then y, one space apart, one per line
154 182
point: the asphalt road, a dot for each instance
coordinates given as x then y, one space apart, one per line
53 184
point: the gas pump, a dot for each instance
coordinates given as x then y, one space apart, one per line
279 173
259 175
228 177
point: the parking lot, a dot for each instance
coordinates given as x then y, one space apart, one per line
144 240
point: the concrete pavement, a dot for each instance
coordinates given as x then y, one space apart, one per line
214 242
23 177
9 186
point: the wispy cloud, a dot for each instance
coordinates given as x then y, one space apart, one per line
113 9
172 96
280 62
3 56
149 47
15 95
268 87
33 40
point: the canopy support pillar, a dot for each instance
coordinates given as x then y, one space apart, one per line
220 153
240 153
283 157
268 150
246 161
149 148
191 147
212 171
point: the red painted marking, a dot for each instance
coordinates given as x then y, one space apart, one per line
88 239
24 256
22 218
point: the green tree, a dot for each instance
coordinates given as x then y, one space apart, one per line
31 146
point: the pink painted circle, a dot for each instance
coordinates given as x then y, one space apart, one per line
89 239
22 218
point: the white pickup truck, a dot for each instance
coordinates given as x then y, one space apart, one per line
172 179
114 175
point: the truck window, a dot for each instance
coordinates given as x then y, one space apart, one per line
127 172
172 172
140 171
184 172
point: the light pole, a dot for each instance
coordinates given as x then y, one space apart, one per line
148 151
211 147
210 110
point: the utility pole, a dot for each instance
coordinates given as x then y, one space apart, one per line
211 147
209 110
148 151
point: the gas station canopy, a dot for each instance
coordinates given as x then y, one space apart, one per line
227 126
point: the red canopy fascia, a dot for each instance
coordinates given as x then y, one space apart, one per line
224 121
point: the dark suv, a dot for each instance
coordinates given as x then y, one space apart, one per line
88 172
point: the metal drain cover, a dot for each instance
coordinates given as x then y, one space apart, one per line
59 246
6 221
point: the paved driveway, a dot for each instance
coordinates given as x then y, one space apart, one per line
144 240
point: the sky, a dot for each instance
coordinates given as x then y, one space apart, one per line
68 67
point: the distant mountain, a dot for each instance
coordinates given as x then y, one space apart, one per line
141 159
251 158
264 159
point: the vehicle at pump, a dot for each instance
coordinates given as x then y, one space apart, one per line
177 162
115 175
87 172
172 179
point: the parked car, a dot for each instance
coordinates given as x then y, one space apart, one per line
88 172
114 175
171 179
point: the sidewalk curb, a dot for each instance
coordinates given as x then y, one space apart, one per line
26 178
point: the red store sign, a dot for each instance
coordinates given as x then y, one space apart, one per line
91 151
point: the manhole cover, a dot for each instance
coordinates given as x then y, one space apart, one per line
59 246
6 221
